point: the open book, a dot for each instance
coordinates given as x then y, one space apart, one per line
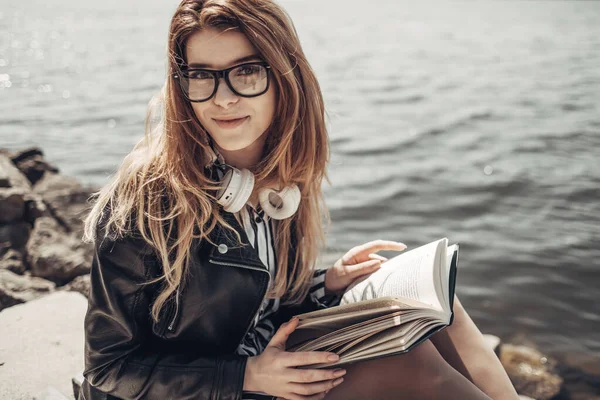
397 307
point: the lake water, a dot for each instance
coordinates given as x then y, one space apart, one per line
479 121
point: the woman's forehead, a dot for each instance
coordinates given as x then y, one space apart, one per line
218 49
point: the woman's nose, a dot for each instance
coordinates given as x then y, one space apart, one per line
224 95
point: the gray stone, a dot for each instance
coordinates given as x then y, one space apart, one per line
81 284
51 393
67 200
16 289
14 235
532 373
41 346
35 207
77 381
54 254
10 176
21 155
32 164
12 204
12 260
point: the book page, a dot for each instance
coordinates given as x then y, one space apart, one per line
353 331
398 343
410 275
396 333
397 339
321 322
393 339
340 349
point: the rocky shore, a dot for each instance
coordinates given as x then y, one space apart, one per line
41 226
41 253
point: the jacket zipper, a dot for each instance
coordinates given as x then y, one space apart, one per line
247 267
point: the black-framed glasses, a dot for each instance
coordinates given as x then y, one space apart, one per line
246 80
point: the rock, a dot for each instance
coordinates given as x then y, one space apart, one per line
54 254
16 289
22 155
77 381
10 176
41 346
51 393
81 284
32 164
581 375
531 372
67 200
35 207
12 260
12 204
14 235
586 363
14 190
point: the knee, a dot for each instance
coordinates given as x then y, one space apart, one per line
428 369
426 360
418 374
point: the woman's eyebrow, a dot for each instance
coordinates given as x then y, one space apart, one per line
238 61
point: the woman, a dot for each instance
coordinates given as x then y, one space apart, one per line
206 240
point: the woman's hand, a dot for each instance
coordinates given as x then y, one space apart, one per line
357 264
273 371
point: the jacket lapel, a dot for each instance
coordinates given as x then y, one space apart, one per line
228 249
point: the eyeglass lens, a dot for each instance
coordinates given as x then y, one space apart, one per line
246 80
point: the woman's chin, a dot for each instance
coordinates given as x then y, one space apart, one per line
238 141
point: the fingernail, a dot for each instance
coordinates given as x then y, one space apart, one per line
339 372
333 357
338 381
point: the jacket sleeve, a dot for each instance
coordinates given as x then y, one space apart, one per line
119 357
317 291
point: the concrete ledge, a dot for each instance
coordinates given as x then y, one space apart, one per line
41 347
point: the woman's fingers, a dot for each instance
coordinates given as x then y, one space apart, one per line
285 330
362 268
308 389
297 375
377 257
358 253
294 359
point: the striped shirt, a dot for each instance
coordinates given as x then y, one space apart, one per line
259 228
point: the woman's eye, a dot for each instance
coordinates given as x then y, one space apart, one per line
249 70
199 75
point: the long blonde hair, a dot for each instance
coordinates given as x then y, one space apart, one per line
161 190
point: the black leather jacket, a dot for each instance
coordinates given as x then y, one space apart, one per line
190 352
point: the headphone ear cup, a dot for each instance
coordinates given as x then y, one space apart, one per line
280 204
237 190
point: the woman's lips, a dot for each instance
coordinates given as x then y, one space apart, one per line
232 123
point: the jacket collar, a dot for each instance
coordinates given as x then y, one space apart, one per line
227 249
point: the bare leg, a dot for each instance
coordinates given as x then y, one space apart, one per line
462 346
419 374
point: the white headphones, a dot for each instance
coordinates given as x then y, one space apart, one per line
237 188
